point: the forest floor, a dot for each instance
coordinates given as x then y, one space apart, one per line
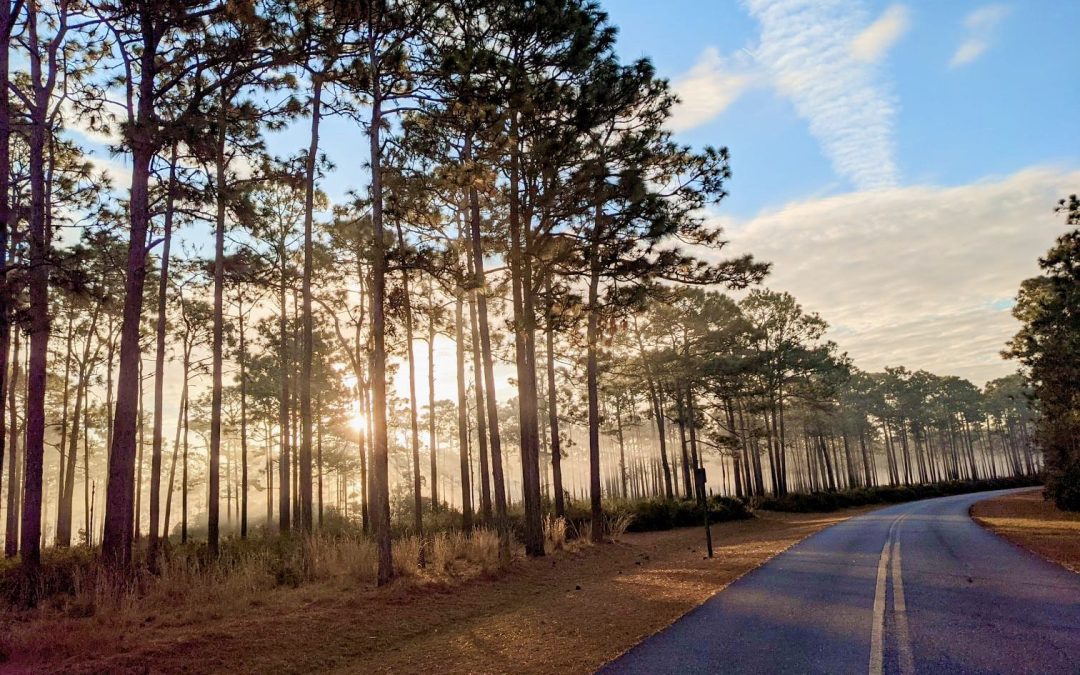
1028 520
570 612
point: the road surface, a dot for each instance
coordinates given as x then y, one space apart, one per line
912 588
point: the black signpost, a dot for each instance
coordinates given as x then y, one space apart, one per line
699 480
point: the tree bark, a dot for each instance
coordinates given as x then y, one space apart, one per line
481 421
592 385
414 425
217 344
284 503
524 320
463 415
159 365
380 458
553 416
306 520
489 371
242 358
14 501
432 441
8 12
119 500
39 318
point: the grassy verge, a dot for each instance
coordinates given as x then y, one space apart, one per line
568 612
1028 520
822 502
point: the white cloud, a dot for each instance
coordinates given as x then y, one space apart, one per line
806 47
879 37
706 90
84 125
118 172
980 24
920 276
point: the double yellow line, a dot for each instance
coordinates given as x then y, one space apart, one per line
890 559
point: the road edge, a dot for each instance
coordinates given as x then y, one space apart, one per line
982 523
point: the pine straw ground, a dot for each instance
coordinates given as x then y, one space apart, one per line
1028 520
569 612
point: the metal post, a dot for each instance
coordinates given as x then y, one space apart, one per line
699 479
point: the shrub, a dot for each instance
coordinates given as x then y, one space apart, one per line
1064 488
658 514
816 502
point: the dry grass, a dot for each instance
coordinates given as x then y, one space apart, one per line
568 612
1030 521
555 533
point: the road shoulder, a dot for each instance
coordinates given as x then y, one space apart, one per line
1034 524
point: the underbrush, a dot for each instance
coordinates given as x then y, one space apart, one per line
657 514
644 515
817 502
74 583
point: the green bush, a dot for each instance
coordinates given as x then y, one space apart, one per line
60 567
658 514
818 502
1064 488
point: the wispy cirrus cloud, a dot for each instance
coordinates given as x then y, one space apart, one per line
980 25
878 38
707 89
807 47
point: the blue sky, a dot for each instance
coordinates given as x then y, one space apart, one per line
1010 107
897 162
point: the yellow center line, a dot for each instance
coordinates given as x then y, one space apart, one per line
903 639
877 627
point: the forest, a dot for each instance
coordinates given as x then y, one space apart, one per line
521 316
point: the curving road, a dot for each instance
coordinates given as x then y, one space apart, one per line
912 588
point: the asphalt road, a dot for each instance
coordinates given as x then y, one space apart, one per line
912 588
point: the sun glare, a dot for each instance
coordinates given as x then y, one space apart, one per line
357 422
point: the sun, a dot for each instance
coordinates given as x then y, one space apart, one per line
358 422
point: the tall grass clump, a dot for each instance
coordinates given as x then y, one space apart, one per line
555 532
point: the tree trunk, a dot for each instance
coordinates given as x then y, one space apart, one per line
184 477
380 469
524 352
159 366
432 447
306 519
489 371
38 317
414 425
217 346
67 494
119 500
242 357
658 413
481 421
284 503
463 415
7 17
14 501
592 385
553 416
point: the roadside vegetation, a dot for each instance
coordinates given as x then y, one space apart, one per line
569 612
1048 346
822 502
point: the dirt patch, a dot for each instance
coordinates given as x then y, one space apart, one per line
568 612
1030 521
